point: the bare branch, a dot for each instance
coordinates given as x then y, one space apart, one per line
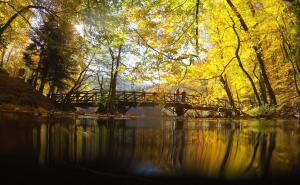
219 75
81 78
162 53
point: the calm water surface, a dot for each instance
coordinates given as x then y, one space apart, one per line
239 149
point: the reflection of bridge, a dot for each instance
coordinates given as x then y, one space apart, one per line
178 103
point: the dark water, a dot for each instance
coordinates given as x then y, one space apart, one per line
225 150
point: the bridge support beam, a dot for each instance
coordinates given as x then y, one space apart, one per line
179 109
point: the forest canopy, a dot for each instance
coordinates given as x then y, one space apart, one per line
239 50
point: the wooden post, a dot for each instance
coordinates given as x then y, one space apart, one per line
179 105
183 97
179 108
95 97
77 97
134 97
143 97
53 98
154 97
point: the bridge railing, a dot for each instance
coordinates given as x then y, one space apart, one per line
140 97
76 98
135 97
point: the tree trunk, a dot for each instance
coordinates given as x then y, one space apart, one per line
238 98
114 76
42 85
297 59
111 93
8 57
295 78
197 25
263 91
35 79
229 94
265 77
2 58
262 87
31 78
44 74
51 90
112 105
100 82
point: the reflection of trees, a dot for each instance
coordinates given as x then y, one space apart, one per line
227 152
266 145
178 144
119 146
182 148
207 150
266 152
253 154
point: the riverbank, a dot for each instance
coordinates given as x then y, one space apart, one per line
16 95
46 115
289 109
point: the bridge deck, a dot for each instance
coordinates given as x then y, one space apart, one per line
133 98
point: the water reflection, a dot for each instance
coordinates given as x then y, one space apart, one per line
210 148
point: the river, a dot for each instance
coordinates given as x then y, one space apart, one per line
211 149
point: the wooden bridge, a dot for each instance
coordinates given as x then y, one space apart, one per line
177 103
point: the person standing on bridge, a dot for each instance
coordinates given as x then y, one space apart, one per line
183 96
177 93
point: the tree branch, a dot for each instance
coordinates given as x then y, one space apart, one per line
19 12
239 16
219 75
162 53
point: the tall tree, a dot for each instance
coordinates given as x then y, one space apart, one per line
56 51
